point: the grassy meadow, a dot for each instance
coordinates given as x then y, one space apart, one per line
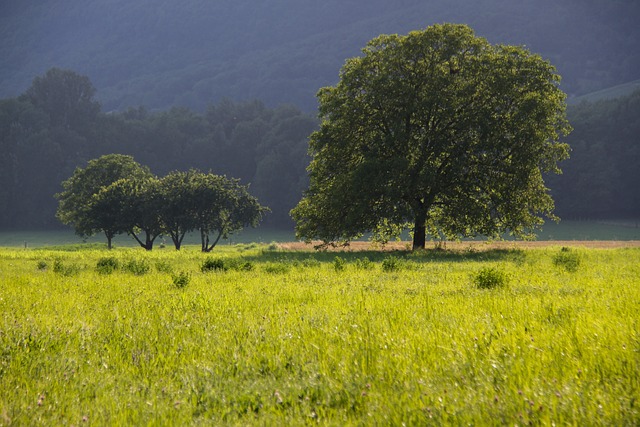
254 335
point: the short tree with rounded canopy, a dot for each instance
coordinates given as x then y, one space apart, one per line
223 206
135 204
75 201
437 130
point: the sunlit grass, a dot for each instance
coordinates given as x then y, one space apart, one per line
302 337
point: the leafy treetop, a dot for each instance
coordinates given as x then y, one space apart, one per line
439 130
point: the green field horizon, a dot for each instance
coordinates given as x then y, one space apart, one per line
623 230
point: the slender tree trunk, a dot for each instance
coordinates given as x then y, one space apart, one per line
213 245
109 235
148 243
177 241
203 241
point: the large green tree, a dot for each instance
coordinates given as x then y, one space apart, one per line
76 205
439 130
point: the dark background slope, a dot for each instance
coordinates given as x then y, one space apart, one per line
162 53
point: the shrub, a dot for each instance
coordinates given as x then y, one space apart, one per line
107 265
42 265
137 267
310 262
220 264
391 264
213 264
364 263
181 279
244 266
339 264
65 270
276 268
163 267
567 259
491 277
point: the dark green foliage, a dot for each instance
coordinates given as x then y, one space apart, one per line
490 278
225 264
277 267
310 263
164 267
266 147
181 279
439 131
139 267
391 264
339 263
364 263
82 204
601 178
568 259
42 265
107 265
65 270
214 264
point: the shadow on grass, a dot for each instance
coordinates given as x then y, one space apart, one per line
425 256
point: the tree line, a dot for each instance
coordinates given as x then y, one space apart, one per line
114 194
600 179
57 125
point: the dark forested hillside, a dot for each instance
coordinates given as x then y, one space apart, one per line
162 53
43 138
602 177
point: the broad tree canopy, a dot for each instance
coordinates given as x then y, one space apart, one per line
438 130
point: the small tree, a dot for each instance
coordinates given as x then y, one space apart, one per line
135 204
179 208
76 206
224 206
437 130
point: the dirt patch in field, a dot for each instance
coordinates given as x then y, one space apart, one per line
479 246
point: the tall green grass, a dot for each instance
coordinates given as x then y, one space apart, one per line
306 338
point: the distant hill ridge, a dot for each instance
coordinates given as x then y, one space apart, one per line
614 92
162 53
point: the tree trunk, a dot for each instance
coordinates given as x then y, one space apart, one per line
177 240
420 232
209 248
109 236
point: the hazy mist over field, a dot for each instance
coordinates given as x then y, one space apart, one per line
162 53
